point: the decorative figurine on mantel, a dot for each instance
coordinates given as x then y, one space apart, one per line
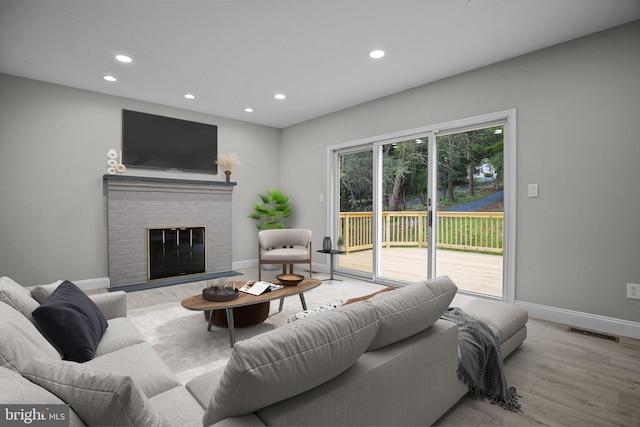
113 166
228 162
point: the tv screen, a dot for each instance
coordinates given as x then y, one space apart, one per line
157 142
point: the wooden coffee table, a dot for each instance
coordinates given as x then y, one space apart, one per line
198 303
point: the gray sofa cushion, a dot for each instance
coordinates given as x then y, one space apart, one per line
298 351
411 309
142 363
178 408
17 297
99 398
16 389
41 292
20 340
503 319
120 334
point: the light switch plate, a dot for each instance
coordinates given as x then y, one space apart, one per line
533 190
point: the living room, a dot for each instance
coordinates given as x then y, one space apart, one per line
577 138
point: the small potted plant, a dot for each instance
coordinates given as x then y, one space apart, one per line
340 244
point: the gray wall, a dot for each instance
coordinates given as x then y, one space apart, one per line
54 141
578 132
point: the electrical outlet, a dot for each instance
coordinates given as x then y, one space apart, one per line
633 291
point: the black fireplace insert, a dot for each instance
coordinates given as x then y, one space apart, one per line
176 251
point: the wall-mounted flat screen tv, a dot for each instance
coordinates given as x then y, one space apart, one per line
157 142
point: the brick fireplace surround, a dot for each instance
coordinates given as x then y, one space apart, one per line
136 203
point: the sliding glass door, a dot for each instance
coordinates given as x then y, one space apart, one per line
425 204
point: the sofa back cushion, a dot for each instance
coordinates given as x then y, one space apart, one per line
20 340
41 292
99 398
411 309
17 297
289 360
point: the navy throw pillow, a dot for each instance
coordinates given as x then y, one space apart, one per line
72 322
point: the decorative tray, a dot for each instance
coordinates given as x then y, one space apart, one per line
218 294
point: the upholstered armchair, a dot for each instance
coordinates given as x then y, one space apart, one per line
284 246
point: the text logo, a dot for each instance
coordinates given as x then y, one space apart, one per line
34 415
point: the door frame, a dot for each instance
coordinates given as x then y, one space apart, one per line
506 118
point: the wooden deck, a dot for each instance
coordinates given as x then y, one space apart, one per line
470 271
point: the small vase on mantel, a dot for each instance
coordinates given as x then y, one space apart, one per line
227 174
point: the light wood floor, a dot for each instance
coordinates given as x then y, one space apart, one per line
470 271
565 379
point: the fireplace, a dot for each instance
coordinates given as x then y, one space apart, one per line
136 205
176 251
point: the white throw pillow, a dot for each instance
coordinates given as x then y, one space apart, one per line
99 398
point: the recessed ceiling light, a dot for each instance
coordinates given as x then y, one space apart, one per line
189 96
248 110
280 96
124 58
110 78
376 54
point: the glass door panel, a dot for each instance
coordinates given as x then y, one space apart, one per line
404 210
470 209
355 222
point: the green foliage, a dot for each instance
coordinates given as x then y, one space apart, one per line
356 182
273 209
404 172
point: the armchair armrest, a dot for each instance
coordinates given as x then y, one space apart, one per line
111 304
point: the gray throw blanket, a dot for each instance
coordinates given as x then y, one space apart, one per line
480 365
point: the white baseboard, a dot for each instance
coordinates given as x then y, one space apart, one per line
593 322
97 283
247 263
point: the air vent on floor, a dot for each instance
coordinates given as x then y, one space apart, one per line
594 334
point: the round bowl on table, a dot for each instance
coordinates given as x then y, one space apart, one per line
289 279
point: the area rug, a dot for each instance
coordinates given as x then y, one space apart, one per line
181 338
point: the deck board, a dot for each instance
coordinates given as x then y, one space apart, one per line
475 272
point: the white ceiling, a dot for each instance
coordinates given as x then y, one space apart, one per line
234 54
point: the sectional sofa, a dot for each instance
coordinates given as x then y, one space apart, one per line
385 360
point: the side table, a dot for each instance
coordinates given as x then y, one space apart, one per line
331 253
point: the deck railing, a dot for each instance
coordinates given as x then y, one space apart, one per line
473 231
